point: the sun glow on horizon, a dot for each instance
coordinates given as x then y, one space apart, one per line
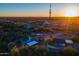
70 11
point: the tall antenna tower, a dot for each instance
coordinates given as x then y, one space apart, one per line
50 11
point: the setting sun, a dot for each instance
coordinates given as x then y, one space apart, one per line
70 12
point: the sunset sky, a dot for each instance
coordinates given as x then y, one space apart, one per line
38 9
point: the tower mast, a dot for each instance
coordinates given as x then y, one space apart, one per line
50 11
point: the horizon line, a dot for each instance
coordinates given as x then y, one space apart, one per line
39 16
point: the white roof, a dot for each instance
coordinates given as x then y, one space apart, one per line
69 41
32 43
53 47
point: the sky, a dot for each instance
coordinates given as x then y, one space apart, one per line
38 9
